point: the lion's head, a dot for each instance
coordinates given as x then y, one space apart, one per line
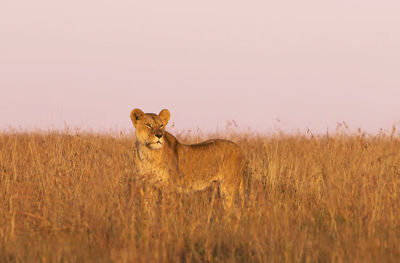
150 127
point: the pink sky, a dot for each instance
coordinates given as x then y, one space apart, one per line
308 63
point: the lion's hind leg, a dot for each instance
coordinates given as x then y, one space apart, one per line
227 196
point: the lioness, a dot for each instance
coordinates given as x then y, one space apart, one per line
164 162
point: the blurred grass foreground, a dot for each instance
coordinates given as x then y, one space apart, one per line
73 198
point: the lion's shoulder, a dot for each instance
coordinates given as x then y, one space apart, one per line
171 141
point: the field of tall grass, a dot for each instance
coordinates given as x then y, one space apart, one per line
73 197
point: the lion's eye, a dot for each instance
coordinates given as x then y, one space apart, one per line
148 125
161 126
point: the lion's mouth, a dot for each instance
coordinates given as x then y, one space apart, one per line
151 144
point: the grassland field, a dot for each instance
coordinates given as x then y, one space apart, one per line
73 197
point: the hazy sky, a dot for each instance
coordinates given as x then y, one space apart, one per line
308 63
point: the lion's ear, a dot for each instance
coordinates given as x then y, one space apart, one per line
136 114
164 116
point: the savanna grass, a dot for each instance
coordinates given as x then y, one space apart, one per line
73 198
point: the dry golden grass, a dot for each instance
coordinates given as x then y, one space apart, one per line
73 198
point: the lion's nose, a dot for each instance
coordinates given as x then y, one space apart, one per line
158 133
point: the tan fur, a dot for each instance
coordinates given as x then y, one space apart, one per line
168 164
